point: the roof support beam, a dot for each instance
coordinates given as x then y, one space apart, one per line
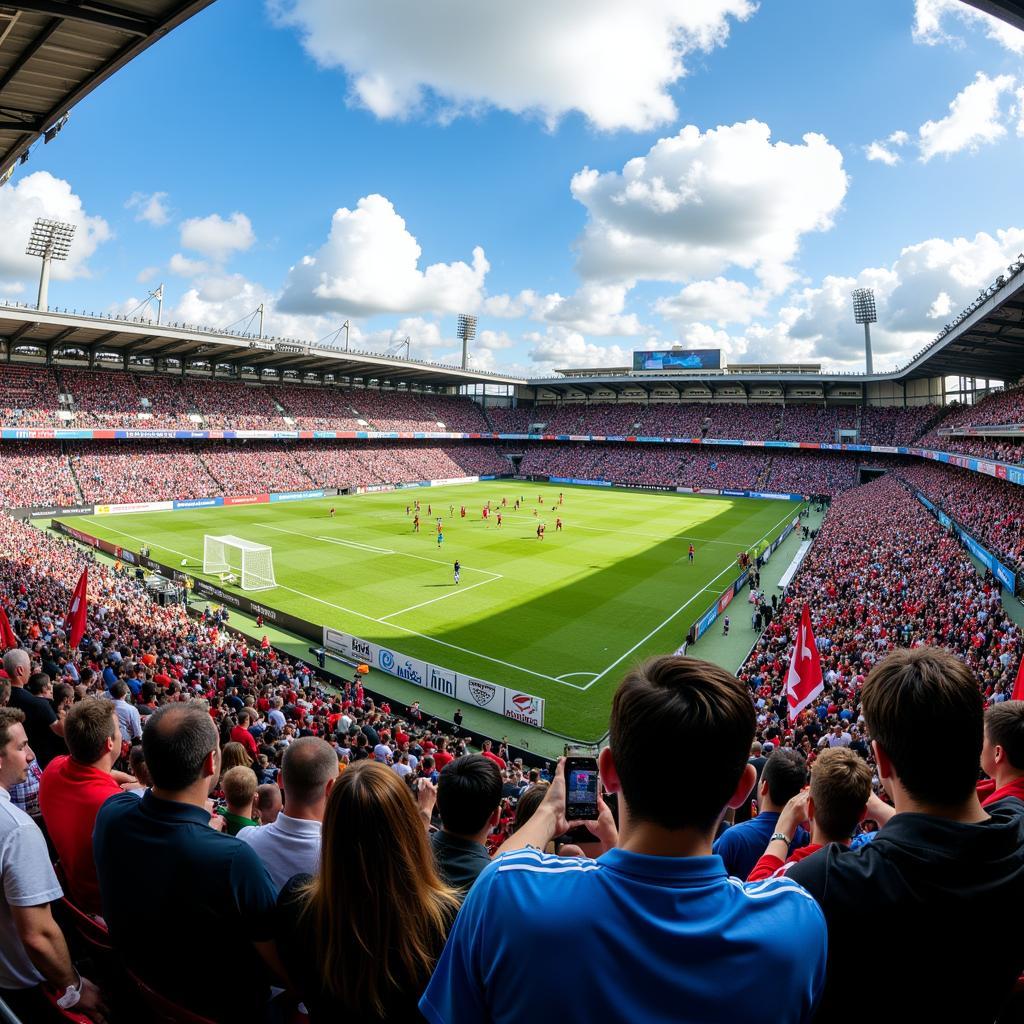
92 14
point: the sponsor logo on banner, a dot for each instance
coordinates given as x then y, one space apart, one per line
296 495
267 613
440 680
524 707
336 641
723 601
480 693
361 649
409 669
198 503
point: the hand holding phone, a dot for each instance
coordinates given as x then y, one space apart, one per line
581 781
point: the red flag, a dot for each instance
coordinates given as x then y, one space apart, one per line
75 624
1018 686
7 636
804 680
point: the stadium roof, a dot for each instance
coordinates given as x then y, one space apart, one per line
53 53
52 331
1011 11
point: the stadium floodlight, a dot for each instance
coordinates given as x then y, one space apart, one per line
864 313
466 330
50 240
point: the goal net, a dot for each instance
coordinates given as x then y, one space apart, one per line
254 562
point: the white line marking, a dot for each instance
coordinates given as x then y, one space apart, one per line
706 586
565 675
354 544
404 554
370 618
434 600
628 533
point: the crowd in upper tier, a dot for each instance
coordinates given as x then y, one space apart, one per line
37 396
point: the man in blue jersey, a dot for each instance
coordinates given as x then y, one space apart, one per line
654 929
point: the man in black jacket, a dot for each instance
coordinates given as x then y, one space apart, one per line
929 908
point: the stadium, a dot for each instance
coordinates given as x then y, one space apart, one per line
365 561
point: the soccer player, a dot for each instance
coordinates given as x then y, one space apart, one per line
440 538
499 518
462 511
540 531
561 498
690 553
458 569
558 524
416 524
332 512
451 511
406 509
430 511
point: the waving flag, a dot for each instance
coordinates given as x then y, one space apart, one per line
1018 685
804 680
7 635
75 624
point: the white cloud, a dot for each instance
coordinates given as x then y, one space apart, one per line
699 202
370 264
493 341
146 274
927 282
613 62
975 119
152 207
930 17
217 238
559 346
42 195
185 267
722 301
883 150
594 309
1020 111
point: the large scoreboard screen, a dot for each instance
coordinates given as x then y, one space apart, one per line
679 359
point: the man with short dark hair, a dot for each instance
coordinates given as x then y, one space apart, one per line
939 882
127 714
1002 754
210 885
834 805
74 787
32 947
653 929
291 844
469 802
784 775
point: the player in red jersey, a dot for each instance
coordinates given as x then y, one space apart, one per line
691 553
540 532
462 511
558 525
416 524
499 518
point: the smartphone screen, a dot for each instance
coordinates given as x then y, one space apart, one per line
580 788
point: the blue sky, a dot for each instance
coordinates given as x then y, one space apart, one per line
588 177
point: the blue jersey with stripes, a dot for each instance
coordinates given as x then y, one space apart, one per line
628 937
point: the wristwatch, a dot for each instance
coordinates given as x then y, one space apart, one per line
780 836
71 995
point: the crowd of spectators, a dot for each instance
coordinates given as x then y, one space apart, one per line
817 422
989 508
254 467
895 424
35 473
1001 449
28 397
354 861
115 471
810 472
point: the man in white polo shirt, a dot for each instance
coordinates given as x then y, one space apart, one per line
291 844
33 952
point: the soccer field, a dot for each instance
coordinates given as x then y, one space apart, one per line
561 618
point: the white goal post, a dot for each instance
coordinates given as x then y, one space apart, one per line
257 561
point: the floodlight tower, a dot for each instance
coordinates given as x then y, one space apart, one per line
50 240
864 313
467 332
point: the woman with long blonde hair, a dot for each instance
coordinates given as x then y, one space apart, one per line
362 936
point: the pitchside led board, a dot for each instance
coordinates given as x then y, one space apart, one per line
679 359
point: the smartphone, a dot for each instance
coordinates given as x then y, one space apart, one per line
580 788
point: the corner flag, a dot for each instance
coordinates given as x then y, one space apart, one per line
803 680
75 624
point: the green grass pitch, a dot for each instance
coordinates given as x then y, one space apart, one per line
562 618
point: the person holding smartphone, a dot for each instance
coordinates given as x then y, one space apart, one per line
654 928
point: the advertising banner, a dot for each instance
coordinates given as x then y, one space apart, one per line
524 707
479 693
139 506
297 495
198 503
410 669
246 499
441 680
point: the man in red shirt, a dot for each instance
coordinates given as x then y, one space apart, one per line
499 761
836 801
441 755
75 786
240 733
1002 754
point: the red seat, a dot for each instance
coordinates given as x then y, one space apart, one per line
93 933
70 1015
165 1010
